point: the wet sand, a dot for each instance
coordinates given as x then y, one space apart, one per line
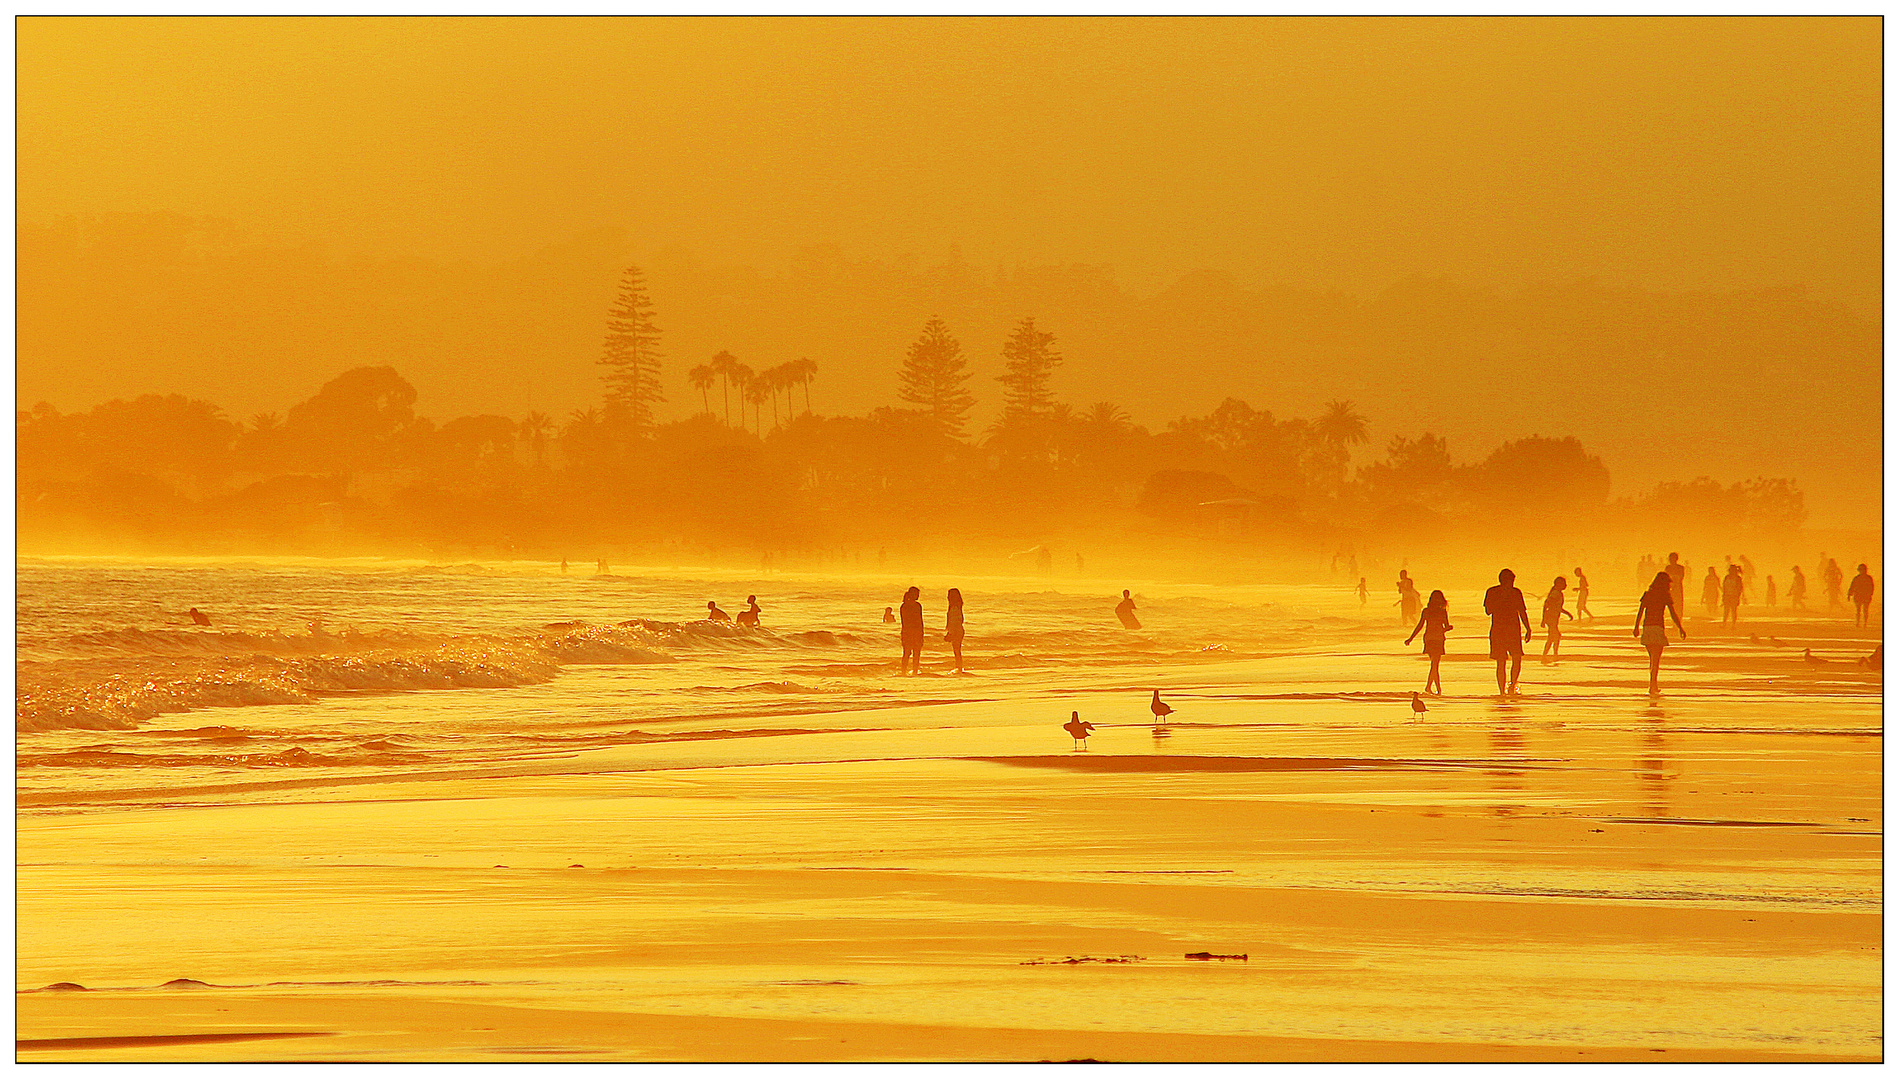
1579 874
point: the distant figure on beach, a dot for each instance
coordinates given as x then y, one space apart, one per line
202 619
563 564
1361 590
1408 598
1583 594
1831 583
1645 570
600 566
1125 611
1678 580
1798 591
889 615
1771 590
1078 730
713 614
1436 622
1650 627
1554 615
1078 562
1504 602
1160 708
1045 561
910 616
1732 589
1352 567
750 616
1861 592
1748 570
1712 592
953 626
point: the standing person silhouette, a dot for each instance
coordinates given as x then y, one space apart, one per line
953 626
1361 590
1504 602
1583 594
750 616
1771 590
1554 615
1798 591
1125 611
1650 627
1436 622
1712 592
1861 592
1831 583
1732 589
1408 598
1678 580
910 632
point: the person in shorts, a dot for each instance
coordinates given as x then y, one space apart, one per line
1504 602
1650 626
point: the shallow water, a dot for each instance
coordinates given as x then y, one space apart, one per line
561 792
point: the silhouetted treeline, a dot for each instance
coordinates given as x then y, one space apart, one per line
354 468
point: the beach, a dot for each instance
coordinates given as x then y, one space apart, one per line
381 812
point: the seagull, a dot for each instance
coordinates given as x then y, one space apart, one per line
1078 729
1159 707
1777 643
1418 707
1808 655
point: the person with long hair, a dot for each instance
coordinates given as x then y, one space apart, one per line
910 632
953 626
1554 615
1435 620
1650 627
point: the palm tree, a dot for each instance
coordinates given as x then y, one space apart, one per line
757 388
1107 414
806 368
1341 427
742 378
265 421
535 427
702 379
728 367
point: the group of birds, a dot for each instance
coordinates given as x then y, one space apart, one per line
1079 729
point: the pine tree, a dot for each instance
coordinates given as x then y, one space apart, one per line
1028 362
933 376
631 356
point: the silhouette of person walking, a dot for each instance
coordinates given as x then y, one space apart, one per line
1408 598
1554 615
1678 580
1798 591
1504 602
1861 592
1712 591
1361 590
713 614
1771 590
1831 583
910 631
1435 620
1650 627
1732 589
953 626
1583 594
750 616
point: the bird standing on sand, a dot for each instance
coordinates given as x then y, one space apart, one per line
1078 729
1160 708
1418 707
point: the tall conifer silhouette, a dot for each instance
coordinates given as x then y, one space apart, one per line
933 376
631 356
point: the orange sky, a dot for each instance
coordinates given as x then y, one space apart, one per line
1316 154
